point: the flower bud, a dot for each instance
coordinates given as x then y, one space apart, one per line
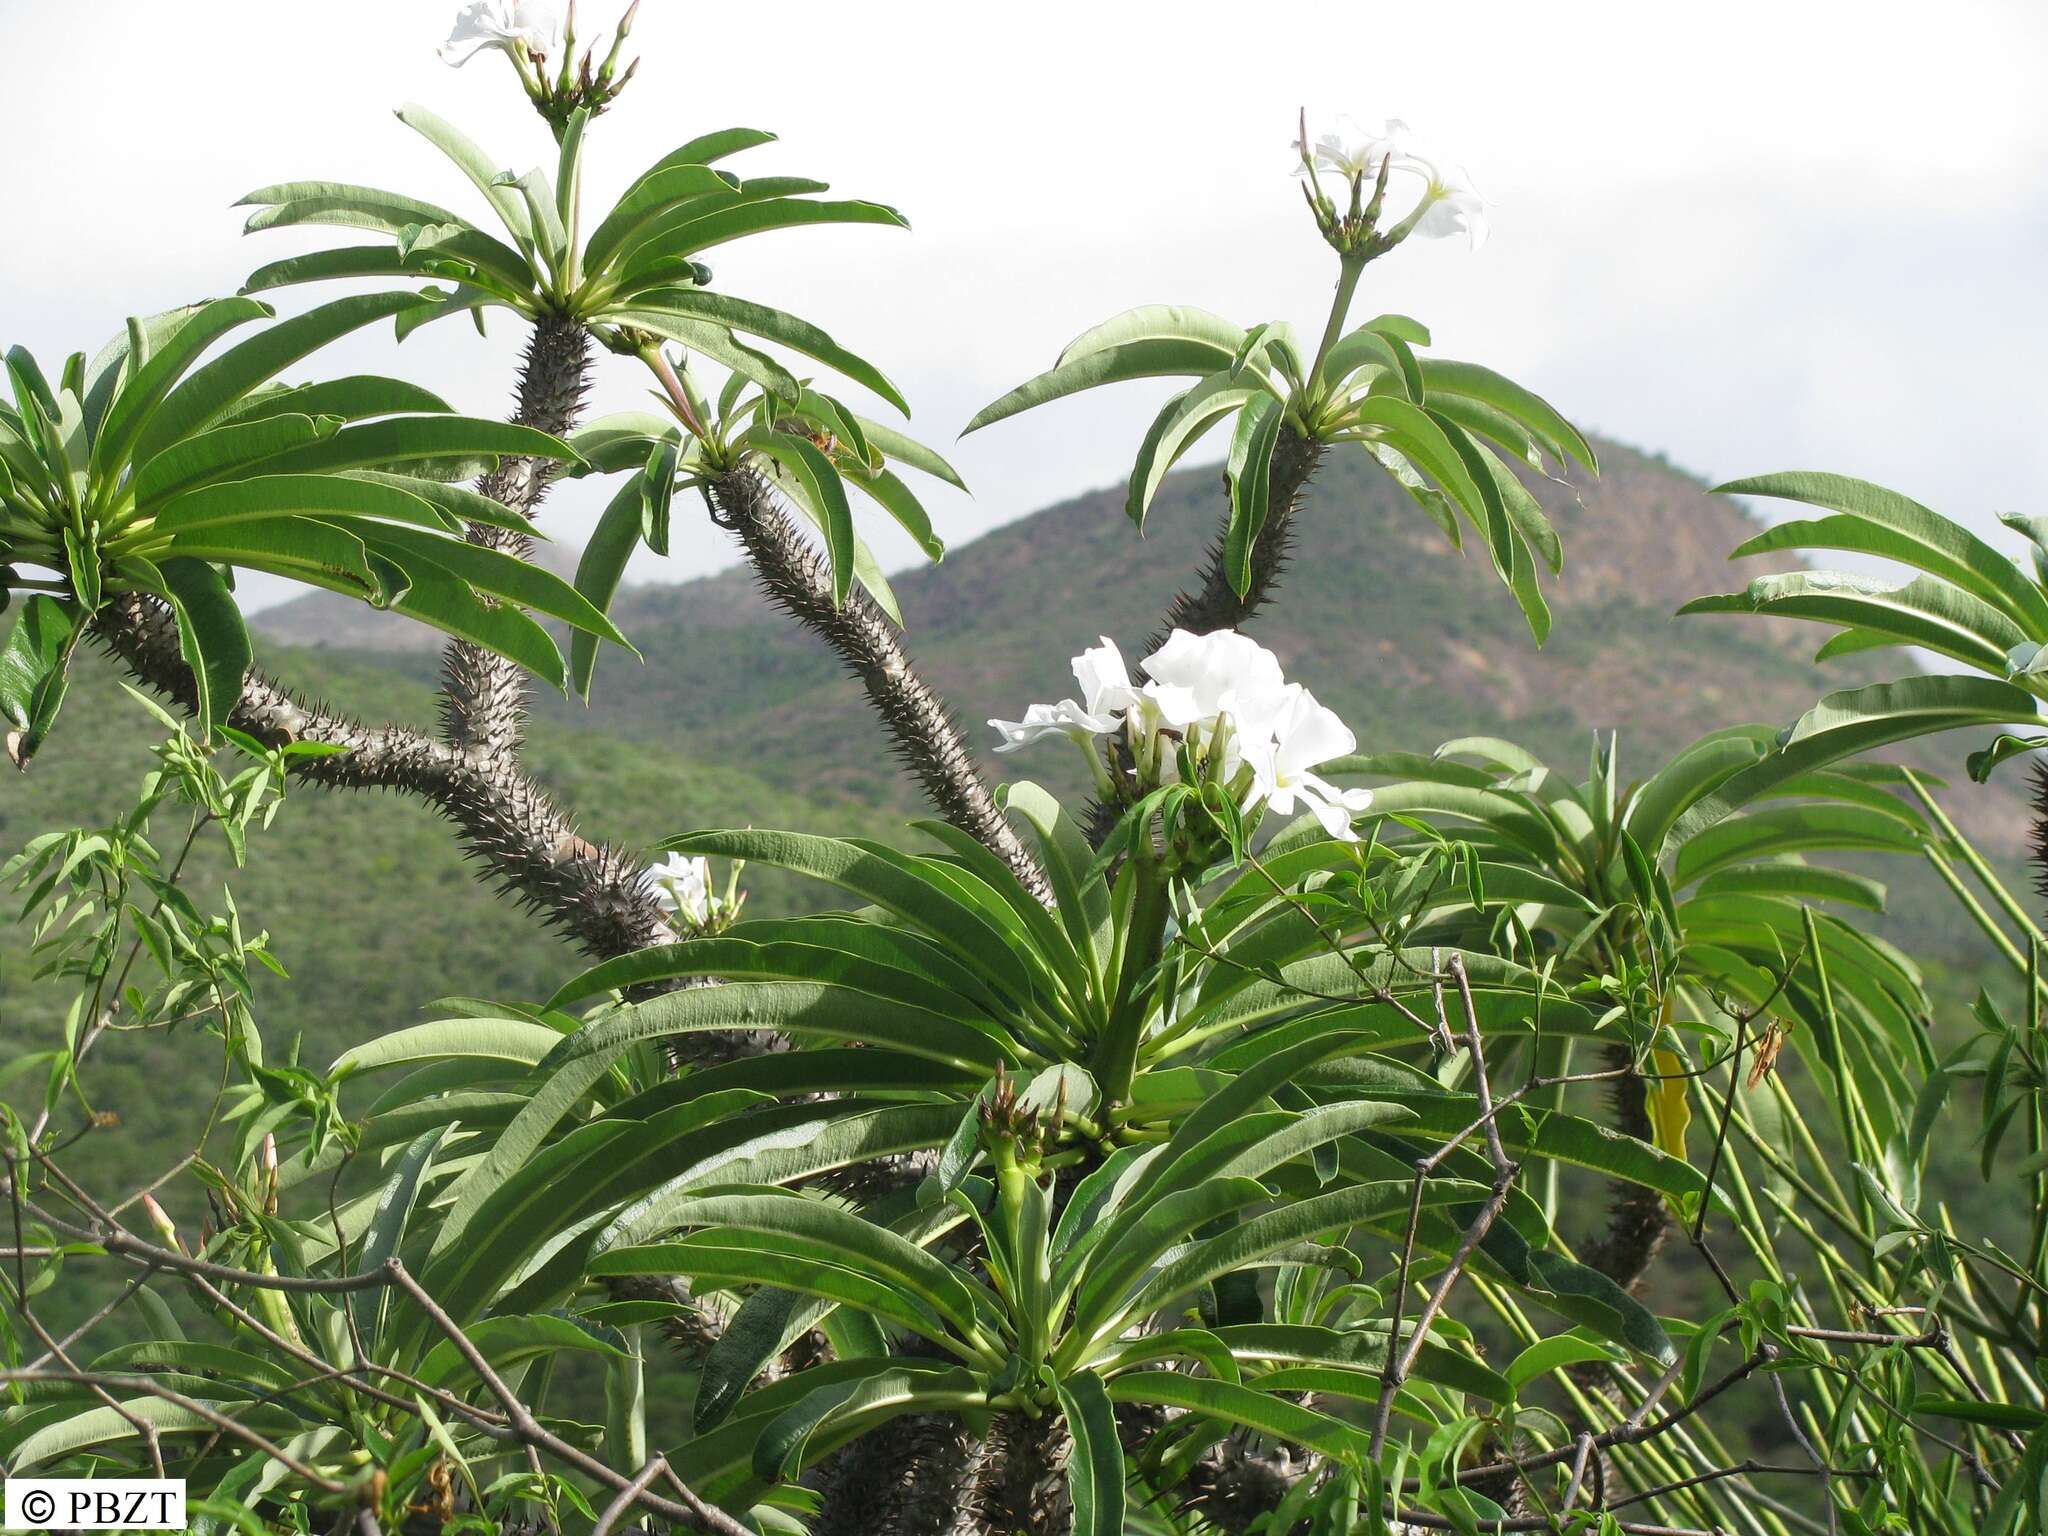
159 1218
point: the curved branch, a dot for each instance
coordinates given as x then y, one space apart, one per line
926 736
527 844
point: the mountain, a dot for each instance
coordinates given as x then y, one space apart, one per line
737 717
1411 641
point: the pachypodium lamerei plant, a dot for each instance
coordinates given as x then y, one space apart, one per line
1439 428
1668 933
636 281
1022 1195
757 440
1204 1010
146 474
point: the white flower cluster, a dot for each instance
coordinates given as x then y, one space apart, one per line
505 25
683 888
1225 697
1450 204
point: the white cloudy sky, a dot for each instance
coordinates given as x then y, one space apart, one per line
1804 233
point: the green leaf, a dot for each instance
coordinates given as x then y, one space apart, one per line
1576 1291
216 388
144 395
355 398
1421 439
1535 414
822 488
399 440
271 497
296 547
855 1243
889 1389
1181 423
908 451
792 1144
113 1423
123 357
1144 359
600 571
1847 724
224 452
650 199
1081 892
718 344
1230 1405
1319 1216
1547 1355
887 878
1876 521
1249 472
1781 830
489 570
473 163
507 1342
447 602
1095 1472
1928 611
895 498
32 669
497 1039
771 325
325 266
337 202
1690 776
663 257
211 637
1156 322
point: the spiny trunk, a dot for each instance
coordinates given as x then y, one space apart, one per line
1231 1487
1018 1485
1637 1220
483 696
926 737
526 844
1212 603
903 1479
2037 848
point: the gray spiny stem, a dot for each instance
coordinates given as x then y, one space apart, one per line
483 696
904 1478
1637 1221
1213 603
526 843
1231 1486
926 736
1018 1486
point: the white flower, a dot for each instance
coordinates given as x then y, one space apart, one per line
1356 151
1225 697
682 886
1198 678
1106 687
502 24
1105 680
1065 718
1284 744
1450 204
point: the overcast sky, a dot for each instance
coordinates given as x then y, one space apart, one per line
1753 236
